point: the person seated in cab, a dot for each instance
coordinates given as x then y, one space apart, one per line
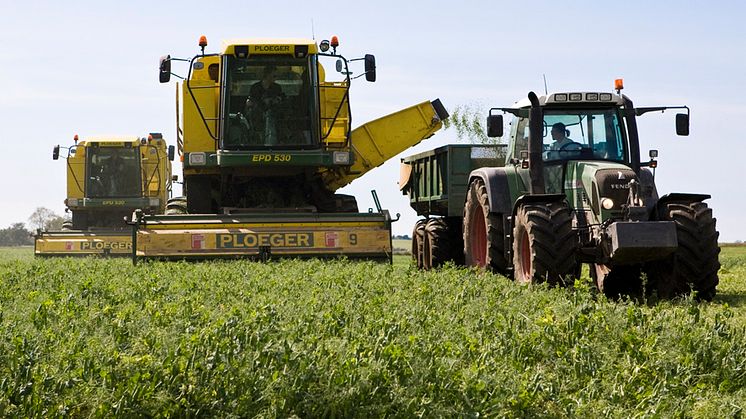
262 106
562 147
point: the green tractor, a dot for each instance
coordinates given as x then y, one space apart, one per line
570 189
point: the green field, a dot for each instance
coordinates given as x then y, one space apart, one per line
93 337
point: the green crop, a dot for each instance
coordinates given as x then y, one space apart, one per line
98 337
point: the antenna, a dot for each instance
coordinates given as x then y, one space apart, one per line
546 92
313 34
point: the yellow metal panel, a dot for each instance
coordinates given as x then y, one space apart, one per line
81 244
196 136
379 140
270 45
309 241
334 103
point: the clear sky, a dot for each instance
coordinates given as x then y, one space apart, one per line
90 68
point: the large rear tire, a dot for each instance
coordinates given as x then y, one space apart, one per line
544 244
484 238
694 265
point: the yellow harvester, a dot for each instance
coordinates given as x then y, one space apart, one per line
267 141
108 178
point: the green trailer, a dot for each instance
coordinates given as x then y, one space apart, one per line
436 182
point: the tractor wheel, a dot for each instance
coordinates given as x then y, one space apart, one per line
694 265
418 241
199 195
67 225
544 244
176 206
439 243
484 238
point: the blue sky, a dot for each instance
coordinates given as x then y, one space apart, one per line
90 68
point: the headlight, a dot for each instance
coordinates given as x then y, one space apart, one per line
341 157
607 203
197 159
153 202
72 202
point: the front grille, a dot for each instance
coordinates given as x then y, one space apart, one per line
614 184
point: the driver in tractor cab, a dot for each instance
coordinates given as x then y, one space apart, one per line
562 145
264 96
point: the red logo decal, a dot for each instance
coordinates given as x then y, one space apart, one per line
198 241
331 239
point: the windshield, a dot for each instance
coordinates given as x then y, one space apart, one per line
578 134
113 172
270 103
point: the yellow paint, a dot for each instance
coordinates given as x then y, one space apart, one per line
84 244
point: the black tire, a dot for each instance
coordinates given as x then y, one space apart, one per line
345 203
67 225
80 220
176 206
199 195
418 242
694 265
544 244
440 242
483 232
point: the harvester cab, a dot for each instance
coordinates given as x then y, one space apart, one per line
107 179
267 134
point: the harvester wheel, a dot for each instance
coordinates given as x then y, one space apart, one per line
176 206
418 241
484 238
439 242
199 197
694 265
80 220
544 244
67 225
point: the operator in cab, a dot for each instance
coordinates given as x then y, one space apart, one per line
261 106
562 146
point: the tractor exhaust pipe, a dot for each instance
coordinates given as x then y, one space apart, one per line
535 143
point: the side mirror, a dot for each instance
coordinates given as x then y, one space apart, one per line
171 153
494 126
165 69
682 124
370 67
340 66
56 152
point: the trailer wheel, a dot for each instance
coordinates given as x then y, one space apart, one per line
484 238
544 244
418 241
440 246
694 265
